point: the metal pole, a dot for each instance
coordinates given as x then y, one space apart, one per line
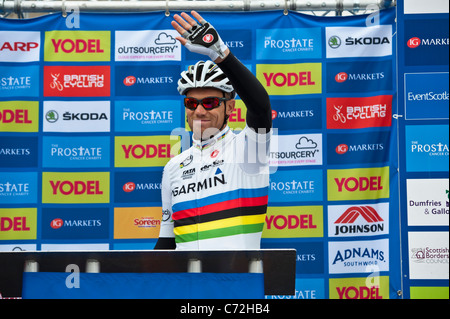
21 6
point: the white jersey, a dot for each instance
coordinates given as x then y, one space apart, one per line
215 194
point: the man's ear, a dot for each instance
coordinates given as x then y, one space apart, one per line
230 105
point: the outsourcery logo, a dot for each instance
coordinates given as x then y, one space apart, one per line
358 220
288 150
291 79
143 151
154 45
77 46
19 116
75 187
351 113
18 223
358 184
74 81
19 46
292 222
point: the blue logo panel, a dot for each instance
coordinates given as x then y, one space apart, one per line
292 114
288 44
18 151
132 80
76 151
19 81
359 148
75 223
148 116
238 41
426 96
296 186
427 148
357 77
18 188
138 187
426 42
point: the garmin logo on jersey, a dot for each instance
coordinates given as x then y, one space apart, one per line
207 183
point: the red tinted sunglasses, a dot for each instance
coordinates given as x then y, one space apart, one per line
208 103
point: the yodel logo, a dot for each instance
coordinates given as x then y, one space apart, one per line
75 187
15 116
77 45
148 151
18 223
290 222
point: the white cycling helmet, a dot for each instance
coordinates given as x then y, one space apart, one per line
204 75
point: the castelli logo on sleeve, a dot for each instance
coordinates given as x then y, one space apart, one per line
208 38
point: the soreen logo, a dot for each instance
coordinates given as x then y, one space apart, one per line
77 45
291 79
75 187
355 184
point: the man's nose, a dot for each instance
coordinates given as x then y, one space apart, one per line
200 110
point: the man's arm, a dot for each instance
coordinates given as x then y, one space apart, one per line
251 91
166 236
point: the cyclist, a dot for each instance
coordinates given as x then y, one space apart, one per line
215 194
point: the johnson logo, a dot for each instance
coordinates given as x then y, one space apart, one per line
139 151
373 221
76 187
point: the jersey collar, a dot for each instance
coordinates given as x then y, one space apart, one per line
203 145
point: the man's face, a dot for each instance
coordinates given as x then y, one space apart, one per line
206 123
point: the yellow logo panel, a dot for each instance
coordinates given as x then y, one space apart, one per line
18 223
75 188
291 79
137 222
358 184
360 288
294 222
145 151
19 116
77 45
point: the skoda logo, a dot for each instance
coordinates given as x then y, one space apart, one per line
334 42
51 116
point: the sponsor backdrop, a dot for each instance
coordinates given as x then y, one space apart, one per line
423 92
90 114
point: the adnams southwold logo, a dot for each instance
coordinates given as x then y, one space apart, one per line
153 45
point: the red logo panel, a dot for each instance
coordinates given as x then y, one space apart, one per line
74 81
